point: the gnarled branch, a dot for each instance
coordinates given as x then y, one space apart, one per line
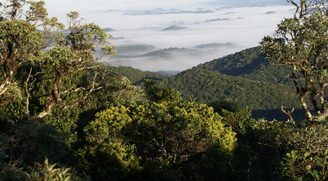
289 113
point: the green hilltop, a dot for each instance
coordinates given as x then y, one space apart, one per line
250 64
206 86
244 77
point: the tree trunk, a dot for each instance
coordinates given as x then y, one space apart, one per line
6 83
50 103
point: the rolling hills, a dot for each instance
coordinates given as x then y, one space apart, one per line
244 77
251 65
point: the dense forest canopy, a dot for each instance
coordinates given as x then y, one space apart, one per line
65 116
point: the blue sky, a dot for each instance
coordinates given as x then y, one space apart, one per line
240 22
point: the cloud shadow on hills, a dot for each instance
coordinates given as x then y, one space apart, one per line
277 114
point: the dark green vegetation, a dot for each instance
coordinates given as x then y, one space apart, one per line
64 116
251 65
301 44
136 76
206 86
245 72
244 77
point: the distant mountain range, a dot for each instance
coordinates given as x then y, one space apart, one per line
166 52
243 3
133 49
159 11
215 45
217 19
174 27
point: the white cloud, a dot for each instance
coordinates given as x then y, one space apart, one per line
244 28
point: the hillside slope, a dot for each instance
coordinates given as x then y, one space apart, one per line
244 77
206 86
136 76
249 64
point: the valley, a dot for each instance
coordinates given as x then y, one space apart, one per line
244 77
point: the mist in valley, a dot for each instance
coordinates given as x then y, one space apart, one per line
146 33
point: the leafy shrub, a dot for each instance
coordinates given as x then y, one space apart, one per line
302 165
157 139
45 172
30 141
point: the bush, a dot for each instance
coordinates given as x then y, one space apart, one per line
157 139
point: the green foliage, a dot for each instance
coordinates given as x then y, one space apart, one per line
63 106
305 158
206 86
156 94
225 104
300 43
302 165
45 89
20 40
155 138
109 159
29 141
255 156
261 145
73 54
312 139
136 76
45 172
250 64
20 33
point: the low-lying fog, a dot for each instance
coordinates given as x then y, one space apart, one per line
162 35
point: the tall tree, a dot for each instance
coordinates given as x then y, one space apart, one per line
29 36
301 42
72 54
20 41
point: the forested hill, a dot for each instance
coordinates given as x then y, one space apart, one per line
249 64
244 77
206 86
136 76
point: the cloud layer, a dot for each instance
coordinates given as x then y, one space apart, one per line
191 23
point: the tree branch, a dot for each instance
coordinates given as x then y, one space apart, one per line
76 102
28 93
289 113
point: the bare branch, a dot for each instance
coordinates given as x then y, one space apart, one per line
76 102
289 113
28 93
84 68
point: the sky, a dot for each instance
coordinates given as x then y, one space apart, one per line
242 23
